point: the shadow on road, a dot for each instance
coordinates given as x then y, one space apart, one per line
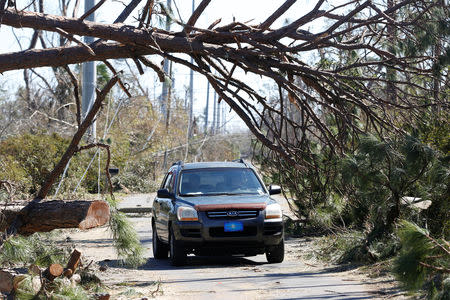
193 262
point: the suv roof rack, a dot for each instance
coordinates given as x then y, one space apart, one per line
179 163
242 161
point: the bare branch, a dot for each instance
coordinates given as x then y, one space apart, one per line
76 93
71 149
280 11
73 39
121 84
92 10
194 17
159 71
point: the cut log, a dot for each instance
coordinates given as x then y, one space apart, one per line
68 273
53 271
73 263
7 280
49 215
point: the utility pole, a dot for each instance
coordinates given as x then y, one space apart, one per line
165 87
169 101
207 109
89 77
223 117
213 125
218 117
191 88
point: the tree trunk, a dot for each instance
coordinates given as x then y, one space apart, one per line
49 215
73 147
384 226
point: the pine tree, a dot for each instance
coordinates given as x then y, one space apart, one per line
423 261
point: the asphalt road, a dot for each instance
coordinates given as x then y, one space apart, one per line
242 278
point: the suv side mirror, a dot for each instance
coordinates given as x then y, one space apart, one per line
164 193
274 189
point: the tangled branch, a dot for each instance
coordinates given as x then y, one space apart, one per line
357 79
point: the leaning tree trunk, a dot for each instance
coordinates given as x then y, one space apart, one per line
66 214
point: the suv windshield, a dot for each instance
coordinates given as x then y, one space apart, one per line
220 181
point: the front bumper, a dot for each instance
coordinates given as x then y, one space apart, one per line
207 236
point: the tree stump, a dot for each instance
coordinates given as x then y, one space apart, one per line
53 271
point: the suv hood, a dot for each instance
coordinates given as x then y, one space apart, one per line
227 201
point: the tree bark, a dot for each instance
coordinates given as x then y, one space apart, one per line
53 271
49 215
7 280
73 263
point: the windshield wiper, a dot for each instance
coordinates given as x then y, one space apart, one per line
192 194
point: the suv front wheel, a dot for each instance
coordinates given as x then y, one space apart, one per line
176 250
275 254
160 250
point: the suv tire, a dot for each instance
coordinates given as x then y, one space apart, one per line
176 250
275 254
160 250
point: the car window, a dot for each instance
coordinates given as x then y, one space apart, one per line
171 182
219 181
168 181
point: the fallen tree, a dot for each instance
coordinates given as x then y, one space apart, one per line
368 88
351 92
48 215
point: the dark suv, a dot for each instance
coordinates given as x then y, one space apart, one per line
216 208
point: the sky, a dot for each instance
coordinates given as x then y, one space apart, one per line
227 10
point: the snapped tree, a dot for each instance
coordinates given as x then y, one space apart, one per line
355 91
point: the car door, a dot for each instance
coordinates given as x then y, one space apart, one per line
167 204
157 204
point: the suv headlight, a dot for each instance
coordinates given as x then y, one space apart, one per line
185 213
274 213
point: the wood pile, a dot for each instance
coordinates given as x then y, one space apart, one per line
10 279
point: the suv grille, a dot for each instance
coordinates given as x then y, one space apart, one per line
241 214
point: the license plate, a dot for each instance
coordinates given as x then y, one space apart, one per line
233 226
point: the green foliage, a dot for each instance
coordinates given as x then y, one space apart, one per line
60 288
139 175
342 246
364 188
29 158
379 174
90 281
422 258
38 249
23 160
126 240
430 30
103 75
